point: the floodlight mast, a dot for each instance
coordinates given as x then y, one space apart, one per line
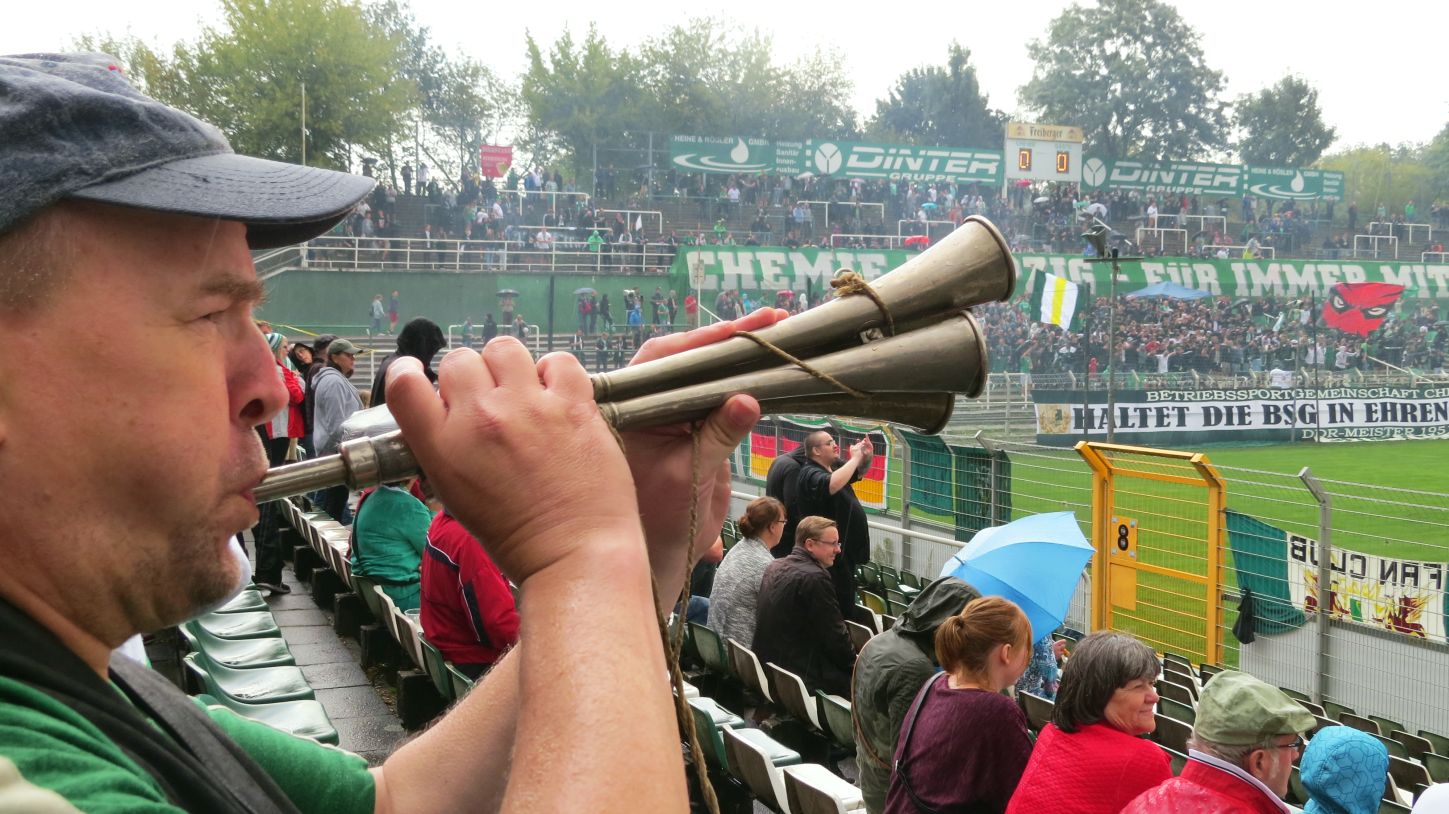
1097 235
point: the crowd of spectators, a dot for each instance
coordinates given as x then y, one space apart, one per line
1217 335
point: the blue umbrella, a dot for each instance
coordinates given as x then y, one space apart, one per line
1035 562
1170 290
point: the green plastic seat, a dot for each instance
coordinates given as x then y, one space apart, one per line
755 759
711 650
304 718
245 602
1439 742
259 685
1438 766
239 625
709 718
1386 725
1177 710
1336 710
836 719
437 669
461 682
874 601
238 653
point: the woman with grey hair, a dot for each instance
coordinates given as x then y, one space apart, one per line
1091 758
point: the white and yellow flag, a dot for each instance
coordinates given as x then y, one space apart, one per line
1054 300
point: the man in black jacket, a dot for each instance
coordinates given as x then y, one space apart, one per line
824 489
798 622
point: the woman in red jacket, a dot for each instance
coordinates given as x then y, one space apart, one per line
1091 759
279 435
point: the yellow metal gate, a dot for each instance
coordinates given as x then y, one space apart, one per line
1157 527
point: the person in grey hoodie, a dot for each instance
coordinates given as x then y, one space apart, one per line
1344 771
334 401
889 671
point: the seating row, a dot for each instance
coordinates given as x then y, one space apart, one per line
329 542
239 660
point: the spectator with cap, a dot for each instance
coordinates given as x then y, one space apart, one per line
309 397
1241 754
1344 771
116 203
336 400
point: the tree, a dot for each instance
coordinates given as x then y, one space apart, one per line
1436 158
941 106
1281 126
1132 75
1386 175
579 94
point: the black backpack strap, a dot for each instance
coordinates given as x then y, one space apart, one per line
226 765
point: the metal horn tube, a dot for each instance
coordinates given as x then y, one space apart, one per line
972 265
910 380
948 357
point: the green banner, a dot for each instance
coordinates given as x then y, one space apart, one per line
841 159
810 269
903 162
729 154
1223 180
1284 183
1260 557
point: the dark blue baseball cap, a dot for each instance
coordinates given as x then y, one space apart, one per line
72 126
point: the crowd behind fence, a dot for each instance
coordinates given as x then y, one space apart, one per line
1380 646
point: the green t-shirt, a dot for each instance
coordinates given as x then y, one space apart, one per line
391 532
53 759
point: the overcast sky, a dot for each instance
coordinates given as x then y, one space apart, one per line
1377 67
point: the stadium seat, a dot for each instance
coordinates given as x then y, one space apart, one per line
887 621
1179 661
1386 725
1358 722
1295 694
835 714
1415 745
1178 759
1178 676
1175 691
410 625
748 669
1172 733
1177 710
1312 707
870 576
1207 671
756 759
1297 792
894 595
238 625
461 682
437 669
1439 742
303 718
257 685
910 580
238 653
371 599
249 601
690 691
711 650
859 634
1038 710
1321 723
874 601
1438 766
1408 774
1395 748
791 694
709 719
1390 807
1336 710
813 789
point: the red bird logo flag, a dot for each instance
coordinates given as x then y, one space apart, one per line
1360 308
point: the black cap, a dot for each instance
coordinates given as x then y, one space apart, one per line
71 126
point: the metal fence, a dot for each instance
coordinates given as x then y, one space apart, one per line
1375 645
552 254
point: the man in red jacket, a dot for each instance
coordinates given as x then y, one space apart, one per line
1244 742
467 605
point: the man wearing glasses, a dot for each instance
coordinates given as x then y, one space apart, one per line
799 625
1244 742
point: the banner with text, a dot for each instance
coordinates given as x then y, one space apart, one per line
841 159
1403 596
778 268
494 160
1183 418
1225 180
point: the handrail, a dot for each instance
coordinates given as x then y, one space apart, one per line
410 254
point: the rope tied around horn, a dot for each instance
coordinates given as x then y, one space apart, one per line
846 283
